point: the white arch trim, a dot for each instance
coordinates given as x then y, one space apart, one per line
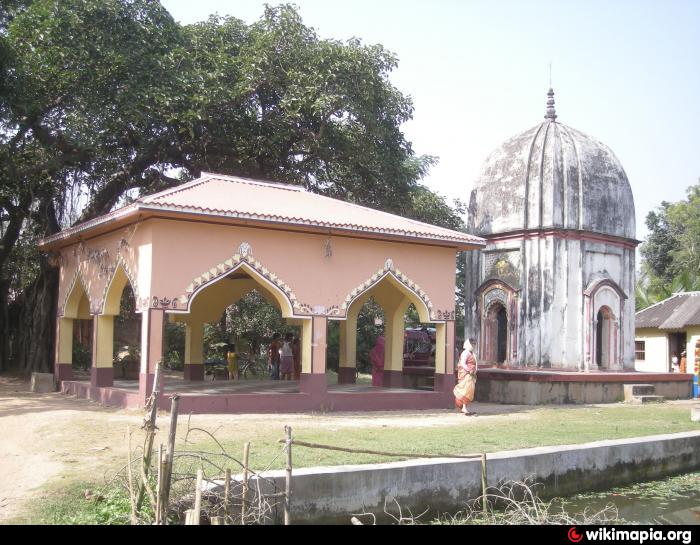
77 278
120 263
282 292
426 306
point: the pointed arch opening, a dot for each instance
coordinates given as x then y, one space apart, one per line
496 338
406 357
244 271
118 338
75 343
604 338
229 327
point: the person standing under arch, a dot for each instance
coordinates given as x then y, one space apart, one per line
376 356
287 358
273 355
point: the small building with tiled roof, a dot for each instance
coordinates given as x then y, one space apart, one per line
669 327
190 252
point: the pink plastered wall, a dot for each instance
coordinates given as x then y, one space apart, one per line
94 263
321 270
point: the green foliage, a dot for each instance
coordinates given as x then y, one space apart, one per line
100 98
671 253
106 505
333 346
367 333
82 357
175 341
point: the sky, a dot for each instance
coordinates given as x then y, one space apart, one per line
626 72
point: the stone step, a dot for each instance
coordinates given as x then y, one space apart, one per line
643 400
633 390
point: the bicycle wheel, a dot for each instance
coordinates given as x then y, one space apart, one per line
249 370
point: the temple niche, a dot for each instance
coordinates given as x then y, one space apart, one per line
554 286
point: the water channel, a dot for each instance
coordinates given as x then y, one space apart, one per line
674 500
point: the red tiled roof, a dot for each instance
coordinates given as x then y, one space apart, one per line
248 199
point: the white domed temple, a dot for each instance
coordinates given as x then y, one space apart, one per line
554 287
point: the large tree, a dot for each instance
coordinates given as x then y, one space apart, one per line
671 253
103 100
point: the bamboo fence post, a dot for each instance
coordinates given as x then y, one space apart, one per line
227 492
190 518
132 495
217 521
288 479
159 485
198 498
174 410
150 426
484 484
244 502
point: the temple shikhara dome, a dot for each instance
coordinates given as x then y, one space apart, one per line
554 286
553 176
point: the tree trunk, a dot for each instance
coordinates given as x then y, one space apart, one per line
4 327
33 329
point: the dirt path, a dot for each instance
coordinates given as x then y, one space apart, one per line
53 438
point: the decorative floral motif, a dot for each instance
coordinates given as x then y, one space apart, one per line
445 315
77 277
245 249
56 259
106 270
164 302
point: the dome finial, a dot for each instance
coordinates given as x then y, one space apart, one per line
551 113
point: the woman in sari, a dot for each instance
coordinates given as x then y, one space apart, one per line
466 379
376 356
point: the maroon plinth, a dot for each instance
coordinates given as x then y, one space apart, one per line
194 372
444 383
393 379
347 375
63 371
145 385
314 384
102 377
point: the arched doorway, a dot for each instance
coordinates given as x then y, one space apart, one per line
243 308
496 349
401 307
602 336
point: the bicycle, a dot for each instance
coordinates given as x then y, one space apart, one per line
251 367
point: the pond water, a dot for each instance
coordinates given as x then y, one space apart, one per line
674 500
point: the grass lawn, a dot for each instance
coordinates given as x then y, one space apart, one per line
496 428
529 428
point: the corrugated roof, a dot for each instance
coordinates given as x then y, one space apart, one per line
248 199
677 312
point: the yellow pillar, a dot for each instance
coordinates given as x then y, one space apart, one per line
102 373
445 359
63 368
394 331
64 345
347 370
194 351
440 349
